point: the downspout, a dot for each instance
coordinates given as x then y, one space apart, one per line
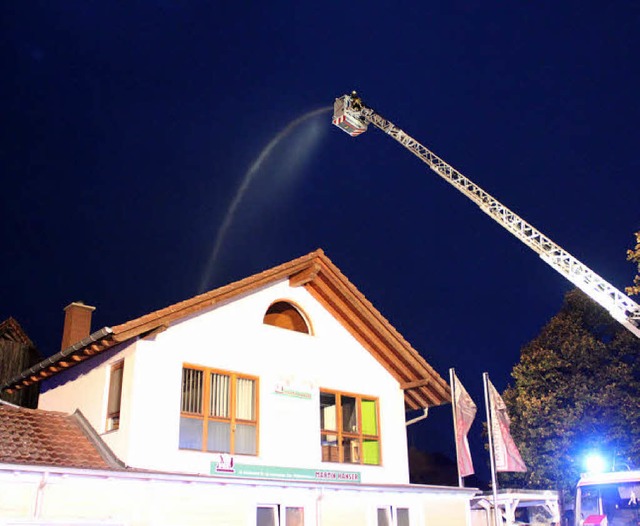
319 497
37 505
425 413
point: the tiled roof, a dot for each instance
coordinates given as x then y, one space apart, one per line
324 280
47 438
11 330
423 386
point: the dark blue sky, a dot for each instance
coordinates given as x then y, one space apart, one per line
127 129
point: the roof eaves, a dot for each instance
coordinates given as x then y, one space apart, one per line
437 390
309 271
54 359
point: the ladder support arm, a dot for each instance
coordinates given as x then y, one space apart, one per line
621 307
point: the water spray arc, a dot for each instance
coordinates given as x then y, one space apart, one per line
244 185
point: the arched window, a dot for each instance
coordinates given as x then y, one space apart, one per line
283 314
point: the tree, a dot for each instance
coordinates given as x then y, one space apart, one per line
577 388
634 255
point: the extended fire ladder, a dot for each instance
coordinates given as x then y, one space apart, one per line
353 117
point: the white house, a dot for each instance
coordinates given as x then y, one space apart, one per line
277 399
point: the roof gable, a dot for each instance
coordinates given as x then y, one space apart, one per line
11 330
317 273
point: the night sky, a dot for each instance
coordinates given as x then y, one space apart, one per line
128 129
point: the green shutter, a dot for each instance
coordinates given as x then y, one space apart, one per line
371 452
370 448
369 418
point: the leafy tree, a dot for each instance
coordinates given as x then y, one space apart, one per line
634 255
577 388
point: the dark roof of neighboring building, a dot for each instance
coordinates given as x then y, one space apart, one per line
49 438
315 272
11 330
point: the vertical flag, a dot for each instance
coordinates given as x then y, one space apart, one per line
507 456
464 411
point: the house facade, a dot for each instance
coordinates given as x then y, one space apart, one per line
278 399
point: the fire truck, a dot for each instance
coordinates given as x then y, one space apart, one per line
608 499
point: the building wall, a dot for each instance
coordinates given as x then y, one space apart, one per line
233 338
116 499
445 509
86 388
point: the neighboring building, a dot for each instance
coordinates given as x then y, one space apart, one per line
277 399
17 354
52 439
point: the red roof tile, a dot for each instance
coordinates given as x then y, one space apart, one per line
423 386
11 330
47 438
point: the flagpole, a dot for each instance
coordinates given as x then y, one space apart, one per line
494 482
455 425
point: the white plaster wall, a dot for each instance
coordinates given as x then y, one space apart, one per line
445 509
339 507
17 495
118 440
85 393
233 337
89 393
112 498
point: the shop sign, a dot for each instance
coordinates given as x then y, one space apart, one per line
227 467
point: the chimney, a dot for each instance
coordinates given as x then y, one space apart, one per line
77 323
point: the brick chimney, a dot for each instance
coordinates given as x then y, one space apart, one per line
77 323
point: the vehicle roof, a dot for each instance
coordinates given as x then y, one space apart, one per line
589 479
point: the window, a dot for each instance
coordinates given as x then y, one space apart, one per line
218 412
349 428
115 396
271 515
384 516
392 516
402 517
267 516
284 315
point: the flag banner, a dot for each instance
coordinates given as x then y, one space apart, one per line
465 411
507 456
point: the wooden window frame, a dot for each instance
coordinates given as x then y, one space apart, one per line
232 420
358 435
275 319
112 422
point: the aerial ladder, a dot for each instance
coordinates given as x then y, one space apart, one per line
352 116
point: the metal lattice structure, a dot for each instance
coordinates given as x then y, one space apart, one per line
352 116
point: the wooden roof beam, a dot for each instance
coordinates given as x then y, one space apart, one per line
412 385
154 332
304 276
372 342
